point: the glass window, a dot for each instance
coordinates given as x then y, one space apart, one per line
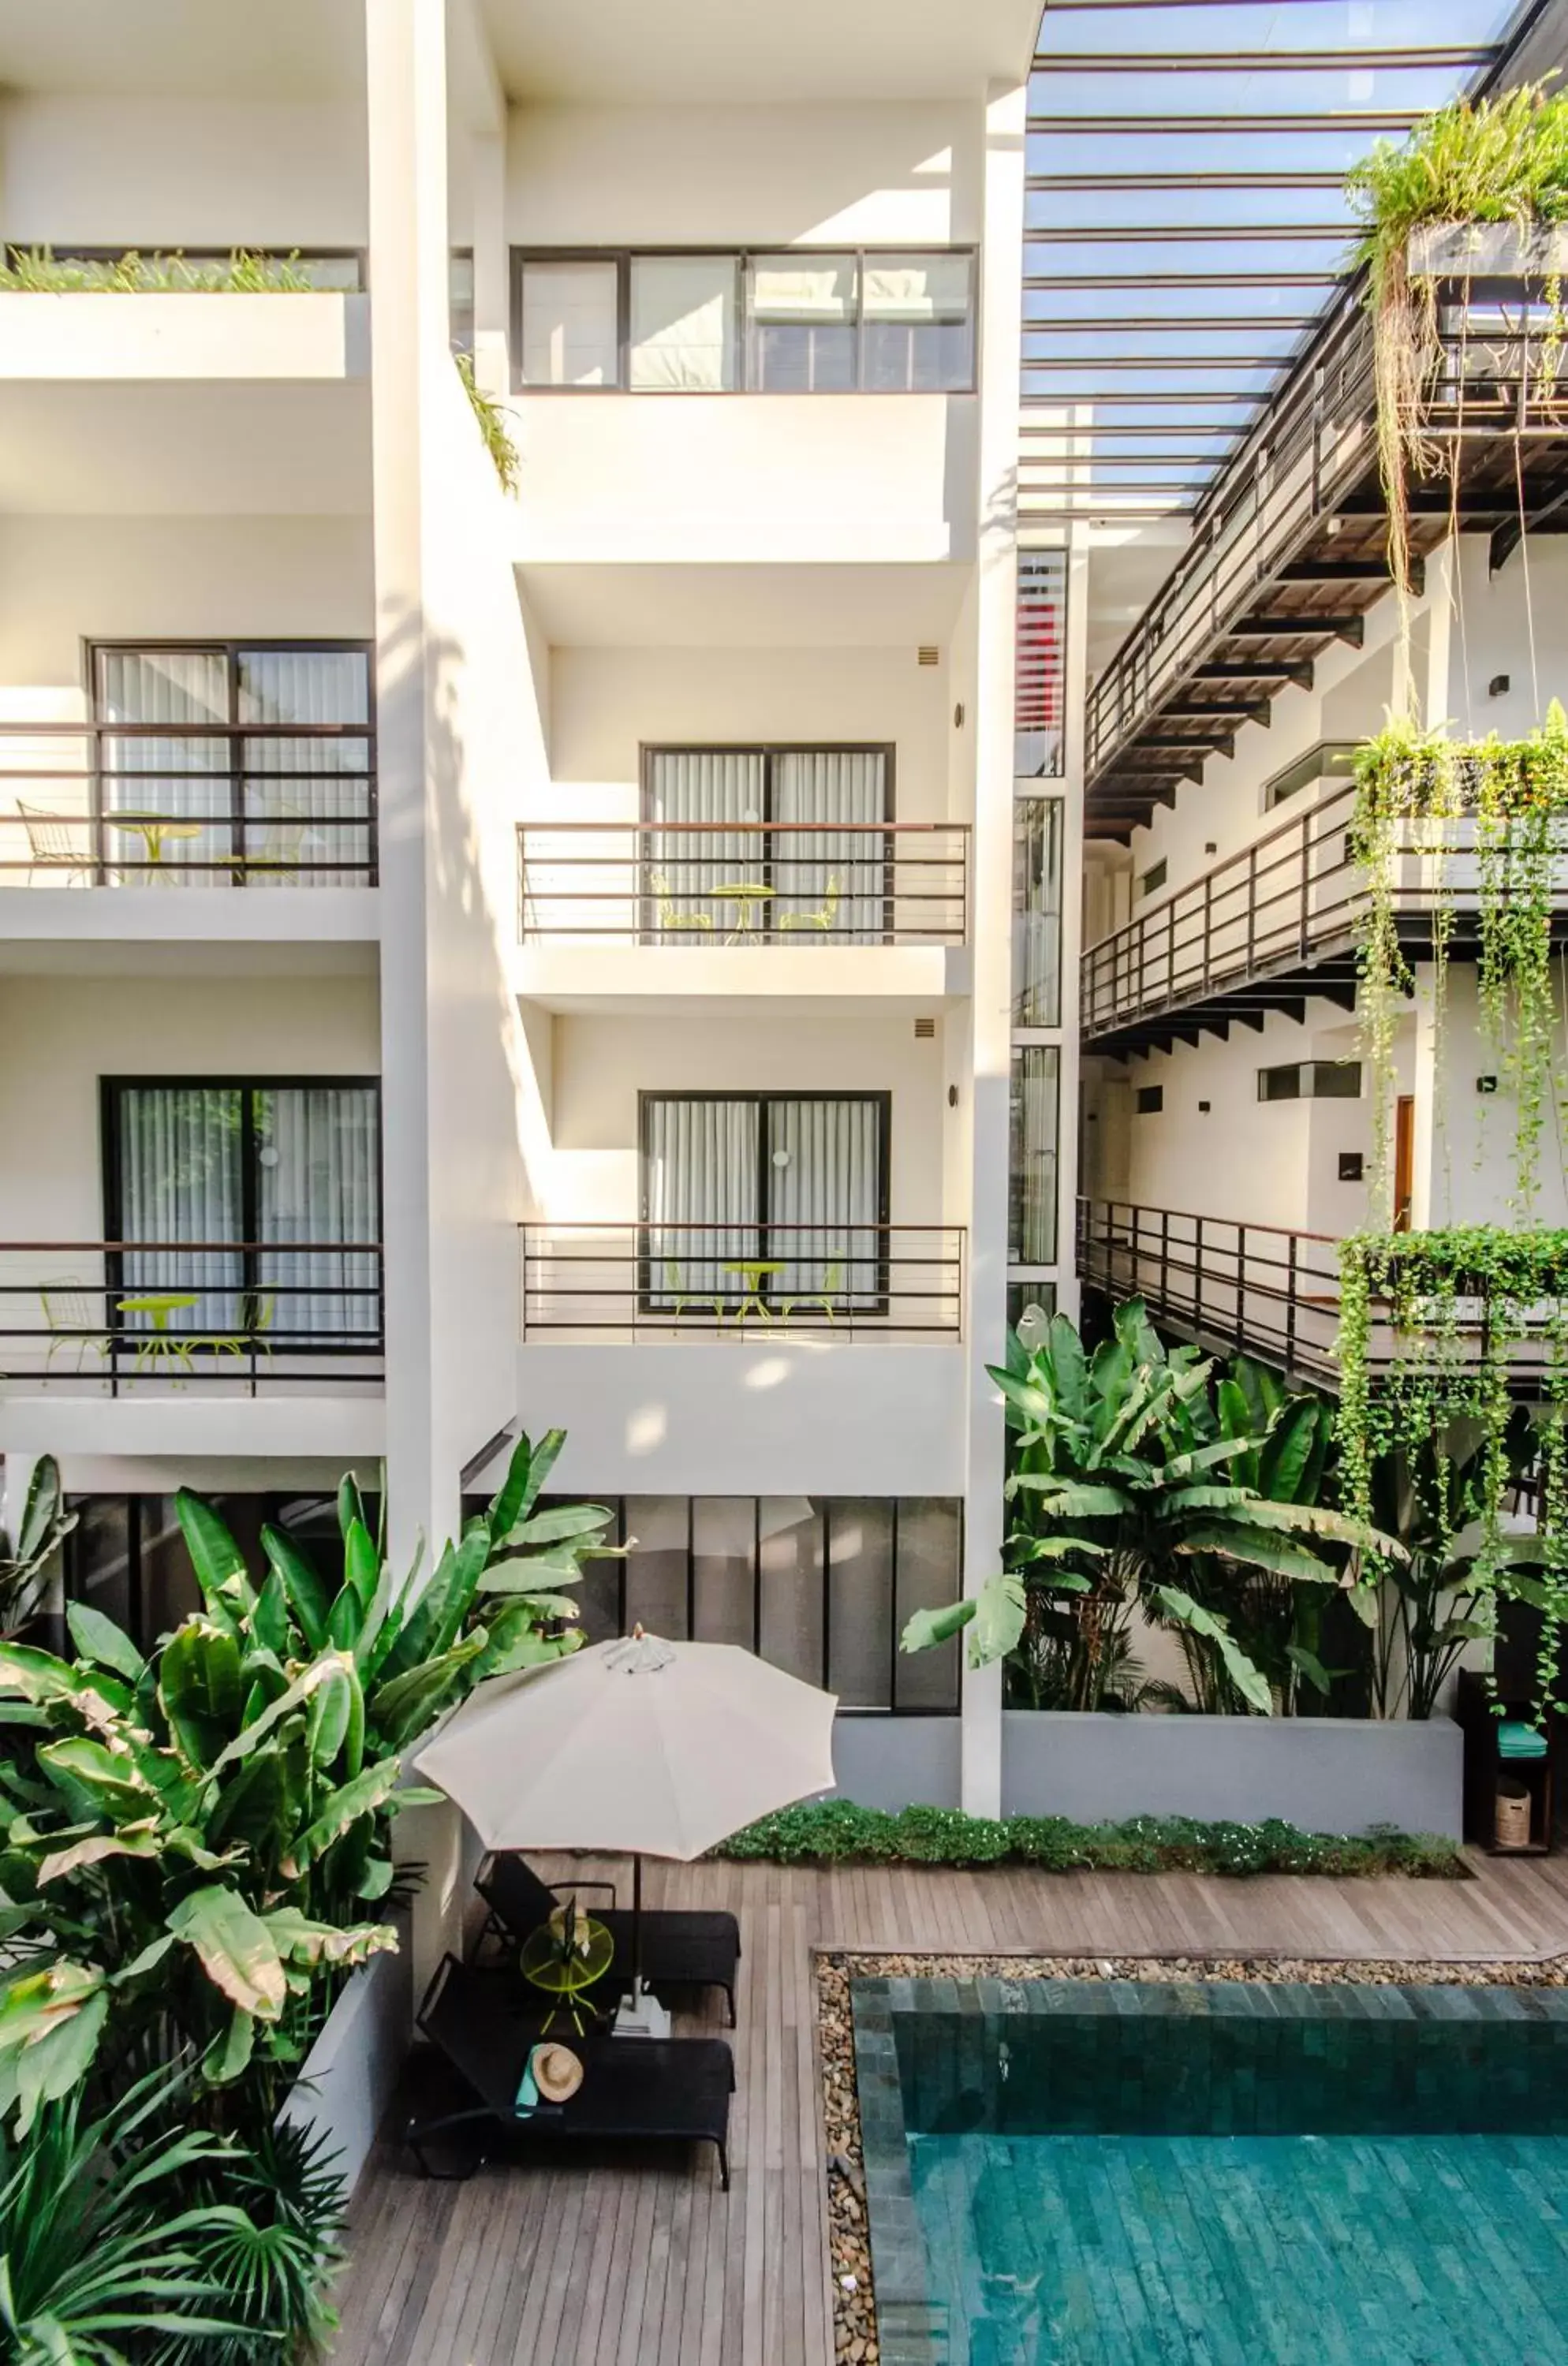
1031 1227
929 1572
1039 661
682 324
724 1570
790 1602
861 1640
1037 912
571 326
1311 1080
658 1528
460 299
800 323
917 332
1150 1099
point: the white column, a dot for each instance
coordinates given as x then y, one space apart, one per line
995 600
1074 694
406 96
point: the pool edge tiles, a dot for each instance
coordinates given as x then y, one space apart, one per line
910 2325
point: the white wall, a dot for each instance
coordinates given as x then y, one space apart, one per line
59 1036
1474 1164
133 171
705 176
600 1063
603 703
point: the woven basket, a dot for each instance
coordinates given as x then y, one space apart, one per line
1513 1815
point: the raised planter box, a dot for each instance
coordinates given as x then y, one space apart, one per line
1487 250
351 2071
897 1761
1322 1773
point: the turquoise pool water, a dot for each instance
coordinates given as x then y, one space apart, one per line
1063 2250
1116 2172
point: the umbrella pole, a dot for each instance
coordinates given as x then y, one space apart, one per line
636 1927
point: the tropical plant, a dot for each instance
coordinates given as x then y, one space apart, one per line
1488 160
25 1561
34 271
1119 1482
492 418
1274 1617
276 2264
100 2247
198 1840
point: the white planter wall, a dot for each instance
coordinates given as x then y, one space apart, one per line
351 2069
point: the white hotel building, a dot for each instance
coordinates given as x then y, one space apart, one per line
597 953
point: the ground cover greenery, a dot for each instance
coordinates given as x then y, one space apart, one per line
35 271
831 1831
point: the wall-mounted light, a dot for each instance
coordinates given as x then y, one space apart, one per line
1486 1084
958 718
1204 1106
1498 686
1352 1167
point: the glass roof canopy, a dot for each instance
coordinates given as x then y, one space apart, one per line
1185 220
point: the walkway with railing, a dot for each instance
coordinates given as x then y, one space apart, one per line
739 1283
1257 1289
137 1318
165 805
1281 915
705 883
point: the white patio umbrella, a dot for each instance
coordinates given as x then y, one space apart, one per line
641 1746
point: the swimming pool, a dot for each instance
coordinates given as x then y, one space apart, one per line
1237 2173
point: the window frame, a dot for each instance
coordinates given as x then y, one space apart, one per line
110 1089
623 257
1305 1071
824 1506
232 730
768 750
651 1302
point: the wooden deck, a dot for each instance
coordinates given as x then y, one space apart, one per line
653 2265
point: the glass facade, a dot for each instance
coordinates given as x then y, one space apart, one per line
1037 912
1035 1124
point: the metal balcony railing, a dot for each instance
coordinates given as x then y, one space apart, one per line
133 1318
1260 1290
1498 381
162 805
736 1282
1282 905
797 883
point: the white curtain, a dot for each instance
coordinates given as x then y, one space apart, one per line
1032 1231
829 872
700 1168
181 779
180 1151
824 1173
307 815
317 1182
721 785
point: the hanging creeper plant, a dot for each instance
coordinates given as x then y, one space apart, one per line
1430 1326
1412 789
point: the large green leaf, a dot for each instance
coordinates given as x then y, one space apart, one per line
51 2023
307 1595
444 1605
999 1612
350 1505
199 1689
331 1665
342 1808
47 1683
530 1573
260 1805
139 1840
234 1947
270 1625
507 1504
326 1724
1290 1454
299 1941
99 1640
402 1709
97 1780
1067 1501
216 1560
229 2056
541 1462
361 1563
926 1628
563 1520
1027 1396
1182 1467
1248 1680
1070 1367
1258 1551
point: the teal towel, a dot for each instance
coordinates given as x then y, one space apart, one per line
1516 1740
527 2093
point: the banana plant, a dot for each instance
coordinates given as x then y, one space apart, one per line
24 1560
197 1839
1121 1477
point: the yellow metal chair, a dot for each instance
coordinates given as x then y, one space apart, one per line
832 1287
670 918
823 918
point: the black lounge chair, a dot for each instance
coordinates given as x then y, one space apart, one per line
680 1949
634 2089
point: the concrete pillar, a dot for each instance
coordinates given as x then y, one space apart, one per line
995 600
406 93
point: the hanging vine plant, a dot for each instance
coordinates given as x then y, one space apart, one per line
1412 788
1432 1324
1502 159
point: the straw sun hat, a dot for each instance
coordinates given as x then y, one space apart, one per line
557 2072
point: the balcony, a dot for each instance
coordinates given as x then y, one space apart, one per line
1275 923
717 908
1260 1290
1288 550
149 1319
834 1285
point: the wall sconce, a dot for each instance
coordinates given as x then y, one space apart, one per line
958 718
1352 1167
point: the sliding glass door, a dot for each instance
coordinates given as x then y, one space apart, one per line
780 1198
784 840
289 1174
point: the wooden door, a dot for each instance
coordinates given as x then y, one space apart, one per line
1403 1160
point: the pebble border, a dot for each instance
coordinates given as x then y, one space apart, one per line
849 2240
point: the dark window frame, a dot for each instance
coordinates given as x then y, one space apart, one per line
233 729
252 1281
623 257
1307 1073
1149 1100
825 1506
651 1302
768 749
